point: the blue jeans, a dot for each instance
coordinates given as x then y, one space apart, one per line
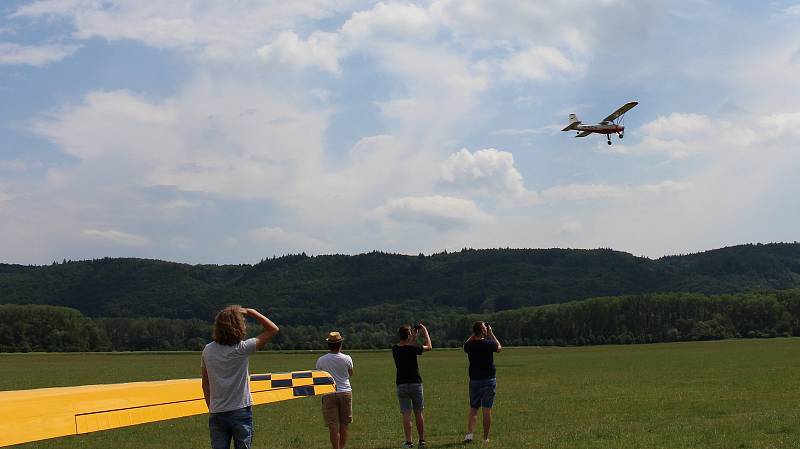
481 393
235 424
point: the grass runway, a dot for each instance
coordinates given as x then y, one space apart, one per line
722 395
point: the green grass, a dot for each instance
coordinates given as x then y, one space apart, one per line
729 394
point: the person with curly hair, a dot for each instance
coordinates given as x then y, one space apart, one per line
226 379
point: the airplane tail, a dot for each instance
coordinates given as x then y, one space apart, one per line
573 123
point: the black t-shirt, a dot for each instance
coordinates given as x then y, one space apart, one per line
405 359
481 358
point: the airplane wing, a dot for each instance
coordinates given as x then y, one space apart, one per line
584 134
32 415
616 114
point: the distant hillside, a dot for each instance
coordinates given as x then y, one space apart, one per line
313 290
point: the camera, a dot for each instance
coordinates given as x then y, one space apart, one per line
417 327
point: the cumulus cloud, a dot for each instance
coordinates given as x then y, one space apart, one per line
538 64
439 212
228 30
38 56
394 21
486 172
117 237
319 50
680 135
198 140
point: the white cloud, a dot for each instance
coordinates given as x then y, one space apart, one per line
681 135
199 140
439 212
320 50
781 125
15 54
678 125
538 64
215 30
486 172
117 237
578 25
394 21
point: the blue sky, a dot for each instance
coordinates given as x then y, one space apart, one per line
227 132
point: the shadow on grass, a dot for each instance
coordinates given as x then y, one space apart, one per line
432 446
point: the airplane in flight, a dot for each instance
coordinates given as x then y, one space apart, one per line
609 125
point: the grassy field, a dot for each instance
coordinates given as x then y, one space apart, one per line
729 394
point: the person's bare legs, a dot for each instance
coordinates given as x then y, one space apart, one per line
407 424
420 421
342 436
471 419
333 429
487 422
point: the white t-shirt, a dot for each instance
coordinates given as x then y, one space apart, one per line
337 364
228 375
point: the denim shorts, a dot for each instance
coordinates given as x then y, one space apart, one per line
236 425
410 397
481 393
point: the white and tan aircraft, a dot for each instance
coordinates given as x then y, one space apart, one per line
610 125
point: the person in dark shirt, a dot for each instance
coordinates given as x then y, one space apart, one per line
480 348
408 380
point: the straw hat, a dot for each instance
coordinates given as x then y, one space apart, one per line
334 337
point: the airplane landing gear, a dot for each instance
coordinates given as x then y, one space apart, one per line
621 135
609 139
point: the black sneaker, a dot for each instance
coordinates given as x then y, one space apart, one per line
422 443
408 445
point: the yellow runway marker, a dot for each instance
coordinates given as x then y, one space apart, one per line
32 415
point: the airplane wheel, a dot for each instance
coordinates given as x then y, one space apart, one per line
621 135
609 142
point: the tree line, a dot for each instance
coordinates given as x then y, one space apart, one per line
301 289
629 319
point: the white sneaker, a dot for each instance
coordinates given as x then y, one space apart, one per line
468 438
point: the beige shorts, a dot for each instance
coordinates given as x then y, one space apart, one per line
337 408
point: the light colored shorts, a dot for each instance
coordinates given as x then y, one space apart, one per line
410 397
337 408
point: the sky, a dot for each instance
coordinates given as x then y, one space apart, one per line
228 132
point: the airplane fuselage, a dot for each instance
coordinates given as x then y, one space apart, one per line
601 128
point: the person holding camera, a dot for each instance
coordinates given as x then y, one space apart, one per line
408 379
480 348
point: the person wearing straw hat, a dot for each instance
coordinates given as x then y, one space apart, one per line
337 408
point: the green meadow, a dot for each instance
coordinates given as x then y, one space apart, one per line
724 394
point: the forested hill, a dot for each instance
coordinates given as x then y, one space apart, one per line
369 287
